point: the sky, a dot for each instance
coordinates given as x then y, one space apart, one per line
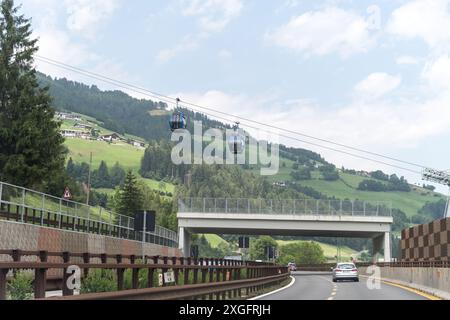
371 74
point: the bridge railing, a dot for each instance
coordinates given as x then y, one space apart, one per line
29 206
287 207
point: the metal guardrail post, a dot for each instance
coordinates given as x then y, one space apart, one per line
23 206
110 223
226 205
364 206
1 191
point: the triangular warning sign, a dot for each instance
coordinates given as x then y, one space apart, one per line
67 195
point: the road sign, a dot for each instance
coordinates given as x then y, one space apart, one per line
244 242
169 277
147 218
67 194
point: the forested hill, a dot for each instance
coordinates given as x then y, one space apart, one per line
118 111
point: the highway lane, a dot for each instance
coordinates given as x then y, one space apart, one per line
319 286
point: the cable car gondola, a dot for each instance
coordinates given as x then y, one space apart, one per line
178 119
236 141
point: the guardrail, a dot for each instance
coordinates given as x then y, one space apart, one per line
286 206
205 277
404 264
29 206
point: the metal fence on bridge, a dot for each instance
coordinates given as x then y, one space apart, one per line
287 207
29 206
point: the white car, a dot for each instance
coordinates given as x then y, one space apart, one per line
345 271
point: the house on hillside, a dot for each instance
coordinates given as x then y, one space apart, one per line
75 134
69 133
67 116
83 126
138 144
114 137
280 184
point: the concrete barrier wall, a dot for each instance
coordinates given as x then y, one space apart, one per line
435 281
18 236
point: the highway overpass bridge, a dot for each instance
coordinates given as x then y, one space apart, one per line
321 218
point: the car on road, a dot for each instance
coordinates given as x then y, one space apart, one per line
345 271
292 266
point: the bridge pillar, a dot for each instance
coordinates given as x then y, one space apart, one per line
382 243
185 242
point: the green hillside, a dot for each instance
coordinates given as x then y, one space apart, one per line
215 240
329 250
128 156
346 187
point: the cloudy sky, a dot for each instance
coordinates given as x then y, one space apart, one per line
371 74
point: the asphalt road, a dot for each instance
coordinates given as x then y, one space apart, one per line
319 286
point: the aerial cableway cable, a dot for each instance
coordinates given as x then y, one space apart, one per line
173 101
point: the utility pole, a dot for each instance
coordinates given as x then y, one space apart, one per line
440 177
89 180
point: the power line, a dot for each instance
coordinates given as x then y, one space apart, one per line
171 100
158 95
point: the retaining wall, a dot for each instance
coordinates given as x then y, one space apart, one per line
35 238
435 281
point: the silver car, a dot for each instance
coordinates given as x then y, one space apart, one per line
345 271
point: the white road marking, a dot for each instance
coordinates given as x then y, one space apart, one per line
276 291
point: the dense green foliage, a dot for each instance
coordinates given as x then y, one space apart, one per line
299 174
258 247
31 148
21 286
157 163
435 210
387 183
129 198
102 177
307 252
99 281
206 250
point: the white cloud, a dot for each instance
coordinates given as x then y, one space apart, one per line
425 19
407 60
377 84
214 15
84 16
225 54
189 43
331 30
437 73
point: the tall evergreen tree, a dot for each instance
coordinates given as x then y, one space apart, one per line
129 198
31 147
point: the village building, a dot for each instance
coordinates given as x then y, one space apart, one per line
114 137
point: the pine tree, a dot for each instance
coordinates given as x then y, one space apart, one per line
70 168
31 147
129 198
